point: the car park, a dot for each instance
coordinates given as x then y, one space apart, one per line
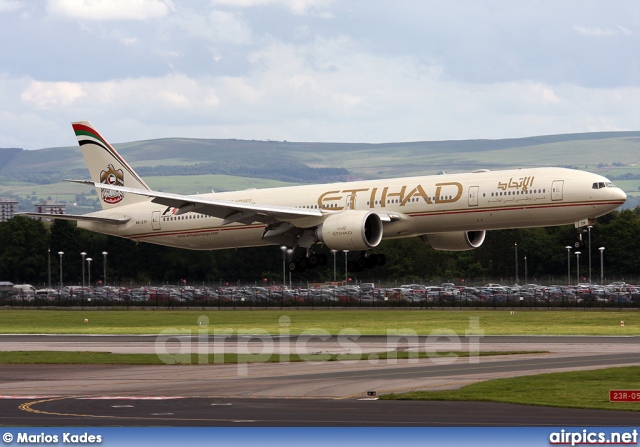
353 295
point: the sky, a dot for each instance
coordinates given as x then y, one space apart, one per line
369 71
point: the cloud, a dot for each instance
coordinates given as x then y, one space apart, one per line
129 40
595 31
214 26
150 98
298 7
383 105
270 69
10 5
48 95
107 10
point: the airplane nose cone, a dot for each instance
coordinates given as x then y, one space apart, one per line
619 194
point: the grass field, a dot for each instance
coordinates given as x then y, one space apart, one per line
110 358
365 322
580 389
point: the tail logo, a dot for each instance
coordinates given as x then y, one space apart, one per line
112 176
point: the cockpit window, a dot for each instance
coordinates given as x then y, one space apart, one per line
600 185
610 185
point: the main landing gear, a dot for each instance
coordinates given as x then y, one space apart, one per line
310 260
366 260
307 261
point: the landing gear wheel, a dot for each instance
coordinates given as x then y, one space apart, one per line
372 261
365 261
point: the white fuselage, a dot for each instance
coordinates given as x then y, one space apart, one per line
488 200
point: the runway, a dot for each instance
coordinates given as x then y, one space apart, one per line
319 393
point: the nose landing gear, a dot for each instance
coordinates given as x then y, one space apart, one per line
581 243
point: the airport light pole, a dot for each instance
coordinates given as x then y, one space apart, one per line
516 244
526 281
89 264
568 247
346 269
83 254
334 264
578 267
290 253
49 267
104 268
60 253
284 272
589 228
601 266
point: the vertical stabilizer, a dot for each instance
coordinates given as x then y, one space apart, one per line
108 167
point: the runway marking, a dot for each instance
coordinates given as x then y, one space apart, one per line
130 397
29 407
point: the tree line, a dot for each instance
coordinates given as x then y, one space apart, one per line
28 247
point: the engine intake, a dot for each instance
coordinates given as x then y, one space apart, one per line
455 240
351 230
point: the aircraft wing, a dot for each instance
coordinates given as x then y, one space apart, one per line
228 210
79 217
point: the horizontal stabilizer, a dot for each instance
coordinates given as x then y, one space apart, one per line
79 217
82 182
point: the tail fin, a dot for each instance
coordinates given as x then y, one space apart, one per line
107 166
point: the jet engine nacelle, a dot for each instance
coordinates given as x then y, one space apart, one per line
455 240
351 230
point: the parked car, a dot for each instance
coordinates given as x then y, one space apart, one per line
25 291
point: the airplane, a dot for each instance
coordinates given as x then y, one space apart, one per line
449 212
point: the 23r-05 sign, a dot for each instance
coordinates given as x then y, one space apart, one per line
624 395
